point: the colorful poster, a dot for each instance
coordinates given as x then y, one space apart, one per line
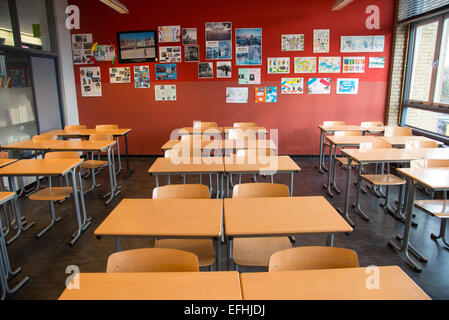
237 95
192 53
329 65
120 75
319 85
165 92
205 70
218 40
90 82
377 62
347 86
278 65
321 41
292 42
362 44
248 46
169 33
104 53
189 36
259 94
249 75
82 48
292 86
305 65
353 64
266 94
166 72
224 69
170 54
142 77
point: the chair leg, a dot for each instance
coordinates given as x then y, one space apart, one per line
54 220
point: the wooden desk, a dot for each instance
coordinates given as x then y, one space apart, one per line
431 153
202 145
259 131
6 162
32 145
157 286
214 131
401 141
233 145
330 284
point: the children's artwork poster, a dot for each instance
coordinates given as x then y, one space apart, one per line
248 46
278 65
90 82
319 85
166 72
189 36
292 42
165 92
347 86
82 48
377 62
205 70
259 94
224 69
292 86
169 33
104 53
321 41
353 64
192 53
329 65
237 95
305 65
170 54
266 94
142 77
362 44
120 75
249 75
218 40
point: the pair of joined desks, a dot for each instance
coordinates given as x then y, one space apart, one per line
219 145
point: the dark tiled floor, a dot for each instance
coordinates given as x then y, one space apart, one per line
46 260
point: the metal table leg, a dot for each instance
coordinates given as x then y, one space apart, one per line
218 255
359 190
329 178
129 171
348 187
78 232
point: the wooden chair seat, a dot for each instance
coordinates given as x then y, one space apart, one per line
203 249
383 179
93 164
257 251
438 208
51 194
5 196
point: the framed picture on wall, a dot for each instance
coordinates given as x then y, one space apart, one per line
137 46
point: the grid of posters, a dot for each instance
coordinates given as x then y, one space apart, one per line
142 77
347 86
248 46
321 40
82 48
319 85
169 33
278 65
218 40
377 62
165 92
224 69
249 75
292 42
237 95
120 75
305 65
353 64
166 72
362 44
189 36
329 65
192 53
266 94
90 82
170 54
104 53
292 86
205 70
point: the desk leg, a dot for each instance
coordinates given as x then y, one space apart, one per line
218 255
227 185
329 178
119 157
330 240
86 220
320 165
334 172
229 255
129 171
359 190
78 232
348 187
442 234
157 180
118 245
218 186
112 180
291 183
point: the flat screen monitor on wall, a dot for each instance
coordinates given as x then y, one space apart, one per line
137 46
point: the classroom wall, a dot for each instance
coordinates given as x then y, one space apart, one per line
295 116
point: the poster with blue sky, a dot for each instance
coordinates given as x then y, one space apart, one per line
248 46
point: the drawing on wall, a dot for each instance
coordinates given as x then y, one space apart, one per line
353 64
319 85
81 48
347 86
166 72
169 33
237 95
377 62
259 94
329 65
292 86
218 40
305 65
205 70
224 69
192 53
170 54
249 75
292 42
362 44
321 41
90 82
265 94
142 77
278 65
189 36
104 53
120 75
165 92
248 46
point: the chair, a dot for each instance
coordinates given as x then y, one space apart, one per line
344 160
252 154
204 125
257 251
244 124
107 127
368 125
416 144
329 124
44 137
74 127
246 133
152 260
398 131
203 249
313 258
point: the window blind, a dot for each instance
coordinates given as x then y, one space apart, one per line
409 9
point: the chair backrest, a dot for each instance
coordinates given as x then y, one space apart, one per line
205 124
375 145
416 144
62 155
244 124
77 127
4 155
327 124
182 191
242 134
348 133
101 137
308 258
398 131
45 137
429 163
104 127
254 153
260 190
371 124
189 137
153 260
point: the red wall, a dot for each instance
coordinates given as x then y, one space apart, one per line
296 116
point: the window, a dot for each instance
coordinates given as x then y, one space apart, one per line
33 24
6 34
